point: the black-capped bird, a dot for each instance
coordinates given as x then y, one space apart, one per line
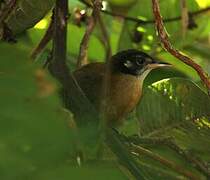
128 70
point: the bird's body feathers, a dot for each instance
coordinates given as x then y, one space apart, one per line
123 93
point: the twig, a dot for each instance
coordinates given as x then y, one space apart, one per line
44 41
143 22
145 140
161 172
189 157
164 161
82 57
166 43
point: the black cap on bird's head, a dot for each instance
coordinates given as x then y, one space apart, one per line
134 62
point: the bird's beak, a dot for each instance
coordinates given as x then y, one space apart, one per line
157 65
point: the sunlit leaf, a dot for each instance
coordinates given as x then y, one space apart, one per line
172 101
27 13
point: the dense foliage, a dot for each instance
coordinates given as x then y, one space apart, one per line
36 137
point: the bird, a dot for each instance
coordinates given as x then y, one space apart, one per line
127 71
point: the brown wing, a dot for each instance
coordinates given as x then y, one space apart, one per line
89 78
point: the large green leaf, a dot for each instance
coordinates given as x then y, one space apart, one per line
179 109
36 141
172 101
27 13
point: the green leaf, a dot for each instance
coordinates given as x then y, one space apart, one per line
36 141
27 13
175 108
179 65
34 134
171 101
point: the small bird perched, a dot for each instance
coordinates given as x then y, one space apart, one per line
128 70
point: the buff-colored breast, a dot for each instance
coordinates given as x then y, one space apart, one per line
125 93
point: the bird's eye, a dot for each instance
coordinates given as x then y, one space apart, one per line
139 62
128 64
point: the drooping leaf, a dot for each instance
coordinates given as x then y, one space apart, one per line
179 109
172 101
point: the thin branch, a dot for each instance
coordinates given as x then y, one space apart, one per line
82 57
168 46
143 22
169 142
44 41
164 161
198 164
166 20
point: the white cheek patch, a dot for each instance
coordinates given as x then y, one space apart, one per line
128 64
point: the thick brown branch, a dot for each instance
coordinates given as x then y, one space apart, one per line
168 46
59 69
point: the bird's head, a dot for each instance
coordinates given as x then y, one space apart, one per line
135 63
